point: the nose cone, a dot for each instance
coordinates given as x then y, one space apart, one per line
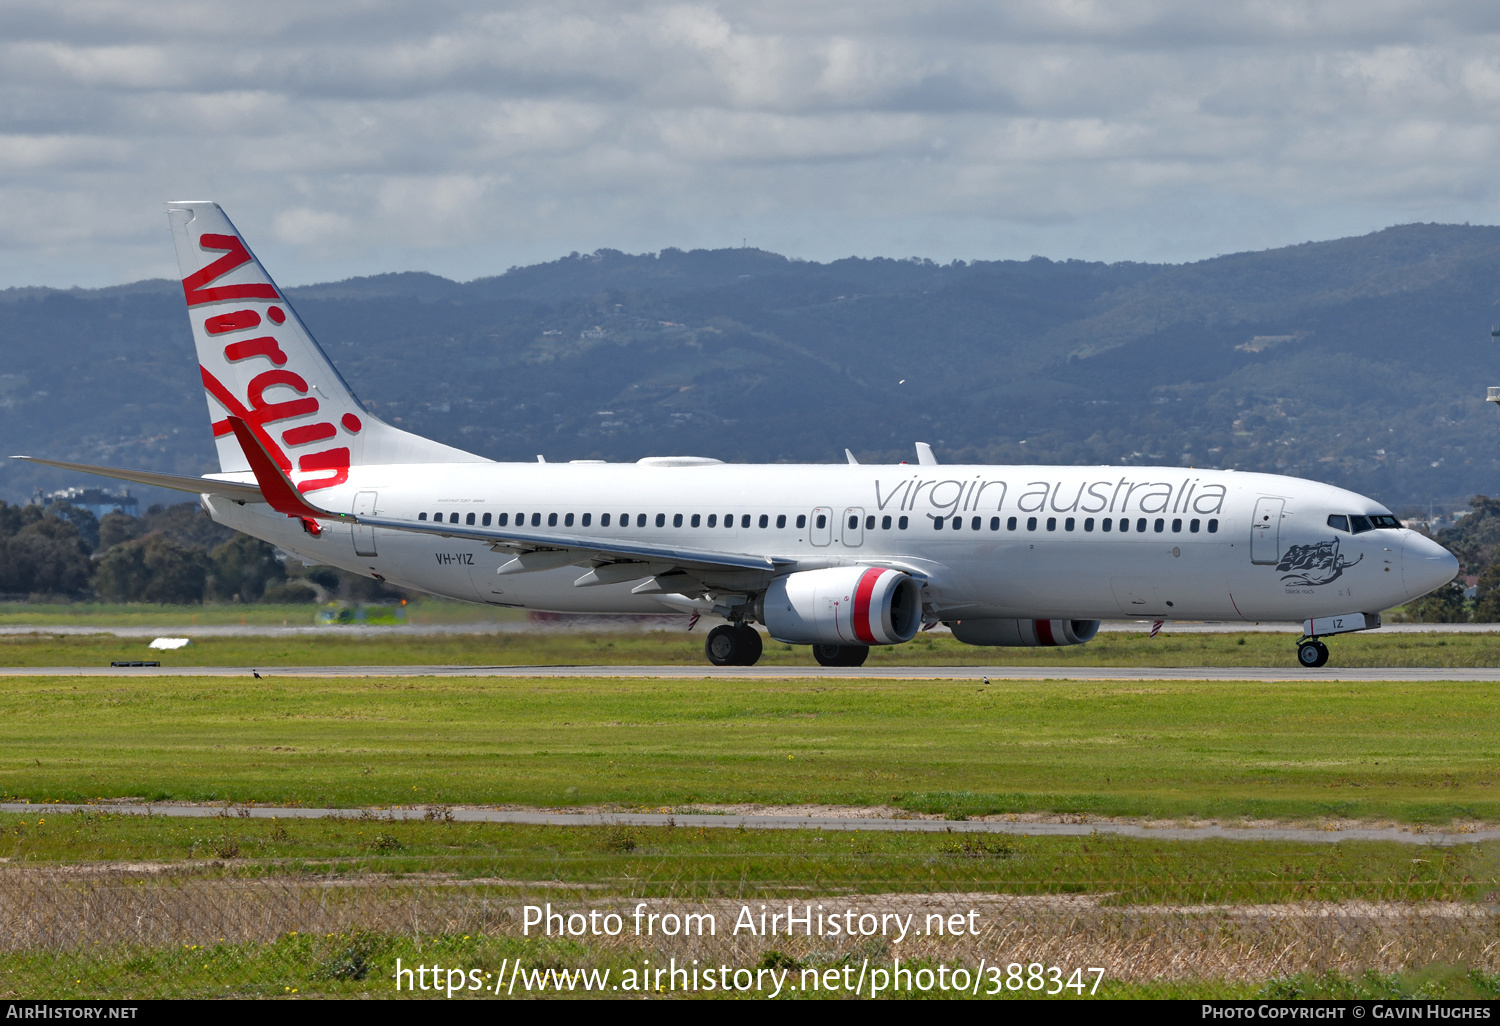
1425 565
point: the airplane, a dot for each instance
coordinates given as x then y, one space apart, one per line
841 557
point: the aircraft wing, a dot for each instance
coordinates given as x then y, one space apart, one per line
200 485
284 497
533 541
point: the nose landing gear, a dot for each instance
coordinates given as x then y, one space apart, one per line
1312 653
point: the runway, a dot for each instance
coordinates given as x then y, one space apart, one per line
1413 674
595 625
783 822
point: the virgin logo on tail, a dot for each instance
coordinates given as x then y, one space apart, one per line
256 410
193 284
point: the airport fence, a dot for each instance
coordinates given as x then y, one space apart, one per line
139 930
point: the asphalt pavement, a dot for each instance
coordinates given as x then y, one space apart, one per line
588 625
1415 674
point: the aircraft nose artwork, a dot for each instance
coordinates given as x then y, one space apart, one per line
1425 565
1319 563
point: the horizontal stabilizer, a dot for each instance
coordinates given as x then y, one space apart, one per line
198 485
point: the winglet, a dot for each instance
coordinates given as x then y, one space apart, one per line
278 489
925 456
850 457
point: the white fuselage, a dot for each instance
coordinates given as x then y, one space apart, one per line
1032 542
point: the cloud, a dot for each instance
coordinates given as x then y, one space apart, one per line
356 136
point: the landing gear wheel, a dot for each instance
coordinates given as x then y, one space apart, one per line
841 655
750 645
722 645
733 645
1312 653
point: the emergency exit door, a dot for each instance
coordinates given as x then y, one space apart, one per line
1265 530
820 527
854 526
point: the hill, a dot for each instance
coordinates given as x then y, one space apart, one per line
1358 361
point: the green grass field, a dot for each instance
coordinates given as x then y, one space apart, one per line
277 908
294 908
1417 752
680 648
693 864
96 904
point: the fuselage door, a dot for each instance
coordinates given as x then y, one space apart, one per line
854 526
820 527
364 537
1265 530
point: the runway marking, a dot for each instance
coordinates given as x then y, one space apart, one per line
1255 674
775 822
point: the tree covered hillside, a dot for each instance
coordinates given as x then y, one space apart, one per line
173 555
1359 361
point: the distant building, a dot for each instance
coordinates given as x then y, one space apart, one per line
96 500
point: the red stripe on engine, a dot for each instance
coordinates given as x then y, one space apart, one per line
1044 632
862 592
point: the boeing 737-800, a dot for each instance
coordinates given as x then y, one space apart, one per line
840 557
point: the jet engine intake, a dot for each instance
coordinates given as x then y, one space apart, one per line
843 605
1024 633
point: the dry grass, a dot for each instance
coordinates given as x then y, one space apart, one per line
73 909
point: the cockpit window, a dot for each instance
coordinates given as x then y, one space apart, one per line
1360 524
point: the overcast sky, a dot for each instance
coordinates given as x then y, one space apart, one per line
359 136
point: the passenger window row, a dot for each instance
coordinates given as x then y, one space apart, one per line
641 519
885 523
956 523
1142 524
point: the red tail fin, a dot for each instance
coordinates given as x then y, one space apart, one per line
274 484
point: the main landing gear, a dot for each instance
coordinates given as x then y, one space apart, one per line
733 644
1312 653
841 655
738 644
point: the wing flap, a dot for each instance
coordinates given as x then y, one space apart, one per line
605 550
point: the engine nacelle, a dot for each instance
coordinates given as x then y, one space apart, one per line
843 605
1024 633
